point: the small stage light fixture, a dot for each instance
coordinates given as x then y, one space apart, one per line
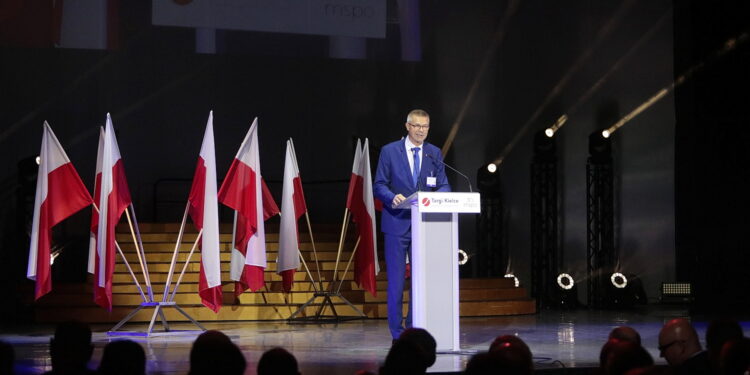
678 293
462 257
618 280
566 295
565 281
516 283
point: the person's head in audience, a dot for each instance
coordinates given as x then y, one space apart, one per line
620 356
625 333
404 358
7 357
70 349
506 359
678 341
424 340
734 357
719 332
213 353
513 353
482 363
277 361
123 357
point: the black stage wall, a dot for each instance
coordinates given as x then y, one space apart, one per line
712 177
159 92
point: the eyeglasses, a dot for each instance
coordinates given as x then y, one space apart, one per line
420 127
663 348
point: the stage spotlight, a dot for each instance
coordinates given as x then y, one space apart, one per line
488 180
605 133
462 257
545 148
600 147
566 282
549 132
516 283
38 160
624 291
678 293
618 280
566 296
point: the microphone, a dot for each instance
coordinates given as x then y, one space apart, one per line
453 169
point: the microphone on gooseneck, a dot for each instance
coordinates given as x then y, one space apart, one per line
453 169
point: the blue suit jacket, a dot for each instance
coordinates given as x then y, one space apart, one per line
394 176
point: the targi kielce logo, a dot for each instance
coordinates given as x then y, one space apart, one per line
425 202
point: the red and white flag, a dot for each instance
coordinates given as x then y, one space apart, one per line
366 265
59 194
245 191
204 210
293 206
97 196
355 170
114 199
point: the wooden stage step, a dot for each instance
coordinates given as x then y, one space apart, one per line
478 297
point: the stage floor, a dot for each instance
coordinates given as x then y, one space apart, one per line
556 339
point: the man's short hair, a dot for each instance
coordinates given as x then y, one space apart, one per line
417 113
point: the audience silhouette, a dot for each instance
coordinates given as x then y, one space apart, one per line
680 347
620 356
123 357
625 333
70 349
214 353
719 332
405 358
734 358
424 340
277 361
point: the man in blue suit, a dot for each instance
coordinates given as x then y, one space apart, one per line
405 166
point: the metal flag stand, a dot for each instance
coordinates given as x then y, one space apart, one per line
150 301
326 295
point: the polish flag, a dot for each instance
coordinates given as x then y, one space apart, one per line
355 171
59 194
114 199
293 206
97 196
204 210
366 265
245 191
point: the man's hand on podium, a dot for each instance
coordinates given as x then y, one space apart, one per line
397 200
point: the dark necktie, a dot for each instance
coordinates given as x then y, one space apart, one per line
415 172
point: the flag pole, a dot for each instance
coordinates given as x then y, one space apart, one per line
137 250
184 268
143 253
127 264
174 254
315 253
341 244
307 269
135 280
356 246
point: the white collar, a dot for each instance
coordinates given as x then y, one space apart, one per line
410 145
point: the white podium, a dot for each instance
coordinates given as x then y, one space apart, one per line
434 262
